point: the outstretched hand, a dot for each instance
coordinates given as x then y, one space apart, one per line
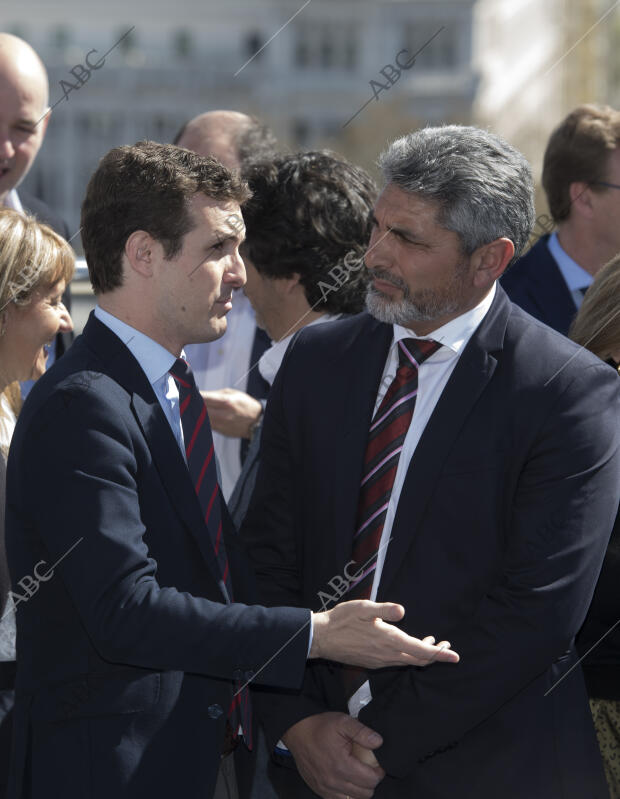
358 633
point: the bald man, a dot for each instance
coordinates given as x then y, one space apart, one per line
24 117
234 139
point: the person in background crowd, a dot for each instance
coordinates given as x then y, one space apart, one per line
597 327
448 451
24 117
236 140
135 658
35 266
307 227
581 178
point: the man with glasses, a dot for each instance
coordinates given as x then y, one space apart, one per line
581 178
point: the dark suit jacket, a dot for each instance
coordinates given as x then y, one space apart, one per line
535 283
126 653
44 214
500 532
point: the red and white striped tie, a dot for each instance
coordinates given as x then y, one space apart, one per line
386 438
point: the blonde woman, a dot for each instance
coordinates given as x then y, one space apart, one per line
597 327
35 266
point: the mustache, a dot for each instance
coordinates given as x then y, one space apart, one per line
385 275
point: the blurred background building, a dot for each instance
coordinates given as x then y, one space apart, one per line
305 68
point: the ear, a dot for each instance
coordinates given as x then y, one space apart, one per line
289 285
581 199
490 261
139 250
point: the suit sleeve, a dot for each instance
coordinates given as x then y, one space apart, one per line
78 458
559 522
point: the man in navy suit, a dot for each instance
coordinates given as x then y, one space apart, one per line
24 117
133 663
581 178
449 452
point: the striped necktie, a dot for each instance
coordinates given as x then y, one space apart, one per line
200 458
386 438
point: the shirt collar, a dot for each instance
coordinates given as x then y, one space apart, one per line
12 201
155 360
455 334
575 276
270 360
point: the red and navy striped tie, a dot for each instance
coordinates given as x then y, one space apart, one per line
386 438
200 457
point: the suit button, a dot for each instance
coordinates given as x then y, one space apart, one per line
214 711
237 674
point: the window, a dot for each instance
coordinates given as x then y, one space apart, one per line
253 45
325 45
60 38
127 40
301 132
441 52
182 44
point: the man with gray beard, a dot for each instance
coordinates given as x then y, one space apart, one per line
449 452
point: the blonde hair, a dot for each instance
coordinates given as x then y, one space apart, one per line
32 256
597 324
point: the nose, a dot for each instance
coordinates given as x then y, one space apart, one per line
6 147
377 252
66 322
236 272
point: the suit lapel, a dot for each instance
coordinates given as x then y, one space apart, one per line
359 397
120 364
469 379
174 474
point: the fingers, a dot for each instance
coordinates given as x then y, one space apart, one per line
413 652
446 655
388 611
360 733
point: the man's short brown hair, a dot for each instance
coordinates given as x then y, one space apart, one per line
577 152
147 186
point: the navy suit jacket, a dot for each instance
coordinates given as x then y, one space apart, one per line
501 528
535 283
126 651
44 214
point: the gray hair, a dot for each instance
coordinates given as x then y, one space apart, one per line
482 184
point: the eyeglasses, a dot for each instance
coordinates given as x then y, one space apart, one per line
605 183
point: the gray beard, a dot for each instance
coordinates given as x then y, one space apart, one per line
429 305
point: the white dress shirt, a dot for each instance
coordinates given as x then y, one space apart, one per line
433 375
575 276
271 359
156 362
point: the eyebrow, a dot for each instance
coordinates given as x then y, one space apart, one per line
24 121
221 236
395 228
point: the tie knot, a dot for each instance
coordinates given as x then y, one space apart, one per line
183 374
414 351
